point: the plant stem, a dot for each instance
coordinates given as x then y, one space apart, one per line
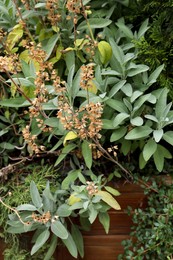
87 22
23 21
16 212
128 173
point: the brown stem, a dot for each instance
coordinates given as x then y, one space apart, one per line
23 21
128 173
88 24
16 212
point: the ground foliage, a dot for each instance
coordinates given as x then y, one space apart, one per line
151 236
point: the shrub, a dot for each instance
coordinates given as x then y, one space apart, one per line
151 237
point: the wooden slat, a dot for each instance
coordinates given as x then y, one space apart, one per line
97 248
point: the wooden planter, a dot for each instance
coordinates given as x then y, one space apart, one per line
101 246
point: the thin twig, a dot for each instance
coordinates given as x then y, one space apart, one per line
14 210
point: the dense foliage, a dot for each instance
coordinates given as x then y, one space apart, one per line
152 233
79 91
156 47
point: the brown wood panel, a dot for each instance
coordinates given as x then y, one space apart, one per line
97 248
119 224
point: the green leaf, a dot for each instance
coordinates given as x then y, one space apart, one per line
157 134
128 104
137 70
118 54
16 230
127 89
137 121
65 151
27 207
87 154
143 28
52 247
47 193
120 118
28 91
75 205
149 149
3 132
159 156
135 95
125 29
118 134
106 197
142 161
153 77
152 118
78 239
71 246
40 241
116 88
59 229
161 103
69 136
92 214
104 220
14 102
6 145
112 190
107 124
105 51
126 146
35 196
14 36
71 177
94 23
168 137
140 101
139 132
57 145
70 78
63 211
158 159
48 45
69 59
117 105
52 121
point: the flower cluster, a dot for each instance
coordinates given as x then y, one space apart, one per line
10 64
90 47
59 86
91 188
113 150
26 4
74 6
96 153
44 218
36 53
30 140
85 121
2 35
44 128
87 74
53 16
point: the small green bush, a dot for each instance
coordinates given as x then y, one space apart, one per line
152 233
